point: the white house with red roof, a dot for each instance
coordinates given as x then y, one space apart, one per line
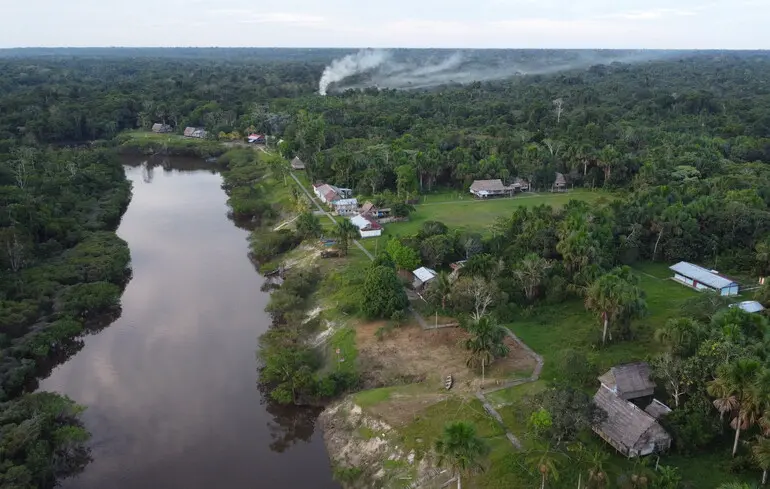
368 227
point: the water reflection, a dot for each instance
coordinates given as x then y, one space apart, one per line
170 385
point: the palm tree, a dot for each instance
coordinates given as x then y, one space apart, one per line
531 272
615 297
761 453
344 232
486 343
667 477
735 389
460 449
443 287
680 335
545 462
593 462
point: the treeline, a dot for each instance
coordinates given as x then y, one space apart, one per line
62 269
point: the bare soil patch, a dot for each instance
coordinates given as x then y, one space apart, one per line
408 354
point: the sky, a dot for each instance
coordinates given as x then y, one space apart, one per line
629 24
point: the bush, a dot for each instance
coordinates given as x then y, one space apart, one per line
266 246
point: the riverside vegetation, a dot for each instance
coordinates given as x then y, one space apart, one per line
672 155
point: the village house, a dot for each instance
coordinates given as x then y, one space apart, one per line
490 188
521 184
701 278
195 132
631 430
629 381
345 207
329 193
256 139
422 276
367 227
326 193
161 128
297 164
560 183
371 210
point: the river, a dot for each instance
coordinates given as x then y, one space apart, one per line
170 386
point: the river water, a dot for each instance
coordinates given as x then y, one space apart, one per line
170 386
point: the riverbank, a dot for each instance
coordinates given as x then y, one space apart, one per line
382 435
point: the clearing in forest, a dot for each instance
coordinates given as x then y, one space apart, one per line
411 355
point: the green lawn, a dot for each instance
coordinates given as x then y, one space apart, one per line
478 215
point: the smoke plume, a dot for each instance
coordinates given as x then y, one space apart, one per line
414 70
350 65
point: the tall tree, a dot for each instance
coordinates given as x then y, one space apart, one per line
736 393
487 342
531 272
344 232
615 297
461 450
761 453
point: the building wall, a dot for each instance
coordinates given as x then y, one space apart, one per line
371 233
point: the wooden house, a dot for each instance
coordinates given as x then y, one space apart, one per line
629 429
521 184
629 381
195 132
161 128
369 209
297 164
490 188
560 183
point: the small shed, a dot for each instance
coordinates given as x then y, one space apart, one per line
297 164
490 188
631 431
749 306
701 278
629 381
161 128
559 183
256 138
422 276
367 227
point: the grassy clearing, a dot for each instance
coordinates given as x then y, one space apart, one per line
478 215
552 329
428 425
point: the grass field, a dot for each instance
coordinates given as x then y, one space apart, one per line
461 211
552 329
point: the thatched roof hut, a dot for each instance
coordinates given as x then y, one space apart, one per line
629 381
161 128
560 183
297 164
631 431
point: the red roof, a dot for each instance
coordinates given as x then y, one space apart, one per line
372 223
255 136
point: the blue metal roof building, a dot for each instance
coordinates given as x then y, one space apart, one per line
701 278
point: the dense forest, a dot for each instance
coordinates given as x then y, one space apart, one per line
682 144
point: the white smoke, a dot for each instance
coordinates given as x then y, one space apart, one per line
350 65
381 68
